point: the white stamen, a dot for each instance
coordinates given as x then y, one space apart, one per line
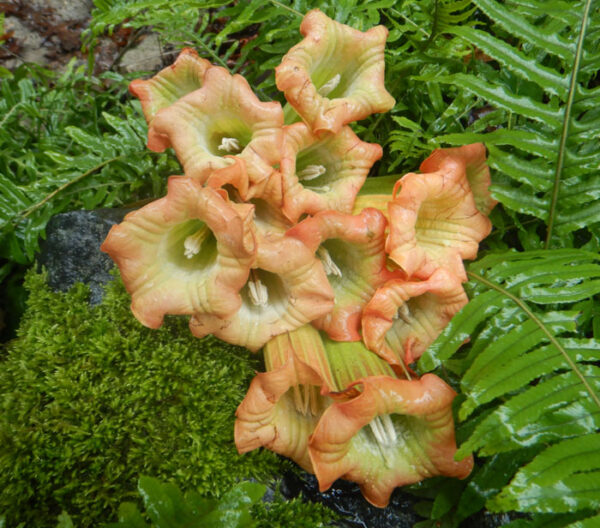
193 243
330 85
229 145
403 313
389 428
383 430
314 398
311 172
298 403
259 295
329 266
306 399
306 402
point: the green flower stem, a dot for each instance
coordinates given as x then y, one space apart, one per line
290 116
379 184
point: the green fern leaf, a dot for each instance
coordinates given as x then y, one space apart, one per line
559 407
545 86
563 478
590 522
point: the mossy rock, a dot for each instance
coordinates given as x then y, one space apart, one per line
90 400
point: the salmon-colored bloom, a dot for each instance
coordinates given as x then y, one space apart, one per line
189 252
283 404
351 249
475 165
185 75
287 288
222 119
335 75
404 317
326 173
389 432
434 221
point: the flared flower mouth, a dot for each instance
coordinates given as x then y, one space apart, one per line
389 432
335 75
326 173
189 252
474 159
286 289
404 317
351 249
283 404
434 221
185 75
220 120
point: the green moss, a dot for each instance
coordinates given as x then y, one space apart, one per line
90 399
280 513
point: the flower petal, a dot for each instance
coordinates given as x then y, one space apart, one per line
394 432
352 251
221 119
283 404
404 317
293 290
434 221
335 75
478 173
326 173
164 273
185 75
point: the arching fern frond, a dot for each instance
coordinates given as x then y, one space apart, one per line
529 373
540 486
541 72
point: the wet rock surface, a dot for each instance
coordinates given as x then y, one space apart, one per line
71 252
346 499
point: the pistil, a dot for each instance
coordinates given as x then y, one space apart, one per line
306 399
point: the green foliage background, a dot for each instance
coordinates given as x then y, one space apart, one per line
519 75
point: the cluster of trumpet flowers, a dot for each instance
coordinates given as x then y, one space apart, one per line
270 240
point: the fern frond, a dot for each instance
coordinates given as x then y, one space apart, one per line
545 87
529 377
540 487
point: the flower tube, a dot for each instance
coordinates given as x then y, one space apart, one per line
404 317
283 404
222 120
185 75
351 249
189 252
335 75
434 220
388 432
473 157
323 173
286 289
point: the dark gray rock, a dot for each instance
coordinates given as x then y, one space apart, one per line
346 499
71 252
